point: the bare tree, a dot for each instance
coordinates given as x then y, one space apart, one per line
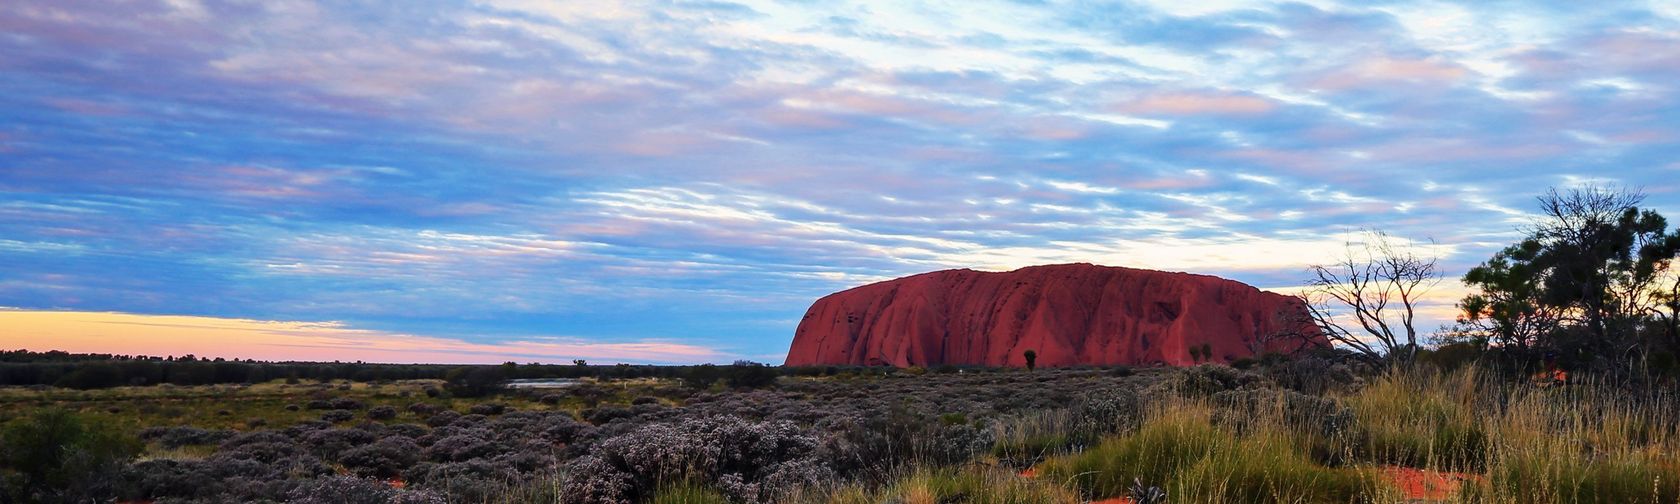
1376 284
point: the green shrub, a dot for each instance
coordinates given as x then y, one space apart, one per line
54 455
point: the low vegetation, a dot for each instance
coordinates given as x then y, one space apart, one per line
1197 435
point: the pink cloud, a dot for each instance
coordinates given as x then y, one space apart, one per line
1199 104
788 117
265 182
87 107
1295 162
1054 129
1183 182
1456 149
885 106
1384 70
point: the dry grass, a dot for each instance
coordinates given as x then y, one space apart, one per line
973 484
1584 443
1180 449
1520 444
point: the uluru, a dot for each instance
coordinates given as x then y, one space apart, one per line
1068 314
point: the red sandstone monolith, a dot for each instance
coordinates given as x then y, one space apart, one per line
1070 314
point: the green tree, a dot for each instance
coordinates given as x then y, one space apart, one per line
474 381
701 376
54 455
1588 278
749 374
1032 359
1507 308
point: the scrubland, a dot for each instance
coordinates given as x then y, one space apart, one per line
1306 430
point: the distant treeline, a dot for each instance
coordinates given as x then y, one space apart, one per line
93 371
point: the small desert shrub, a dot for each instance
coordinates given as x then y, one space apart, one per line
750 462
1208 379
338 416
1025 441
345 403
443 418
1315 373
487 409
460 447
329 443
382 413
385 458
606 414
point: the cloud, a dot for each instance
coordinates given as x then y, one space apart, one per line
1199 104
701 171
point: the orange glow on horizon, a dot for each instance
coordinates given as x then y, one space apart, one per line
176 335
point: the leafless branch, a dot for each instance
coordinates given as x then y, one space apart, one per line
1377 283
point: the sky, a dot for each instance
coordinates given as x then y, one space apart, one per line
482 181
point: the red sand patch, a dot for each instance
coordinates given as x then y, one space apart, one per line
1422 484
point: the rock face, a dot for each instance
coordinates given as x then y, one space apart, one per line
1069 314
